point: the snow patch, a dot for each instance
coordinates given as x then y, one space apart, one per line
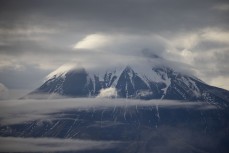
165 79
167 83
191 85
144 93
62 70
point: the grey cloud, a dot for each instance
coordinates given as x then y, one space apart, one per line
20 111
222 62
215 66
118 15
205 46
4 92
27 77
151 54
18 144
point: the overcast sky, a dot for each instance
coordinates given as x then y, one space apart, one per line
36 37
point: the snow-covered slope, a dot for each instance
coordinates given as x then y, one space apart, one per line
140 81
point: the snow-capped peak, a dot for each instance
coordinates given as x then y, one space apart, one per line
62 70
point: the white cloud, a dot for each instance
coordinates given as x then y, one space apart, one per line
121 44
215 34
92 41
107 93
187 41
21 111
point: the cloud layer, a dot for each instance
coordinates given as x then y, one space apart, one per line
19 144
21 111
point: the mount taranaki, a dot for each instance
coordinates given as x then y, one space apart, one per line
198 126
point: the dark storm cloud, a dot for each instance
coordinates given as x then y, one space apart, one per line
117 15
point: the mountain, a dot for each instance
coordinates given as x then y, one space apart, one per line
154 108
142 81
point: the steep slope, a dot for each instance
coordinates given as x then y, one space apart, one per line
190 88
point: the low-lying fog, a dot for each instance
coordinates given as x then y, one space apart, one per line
19 111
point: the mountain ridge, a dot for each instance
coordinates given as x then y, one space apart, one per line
146 82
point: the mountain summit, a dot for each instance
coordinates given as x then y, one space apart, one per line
143 81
